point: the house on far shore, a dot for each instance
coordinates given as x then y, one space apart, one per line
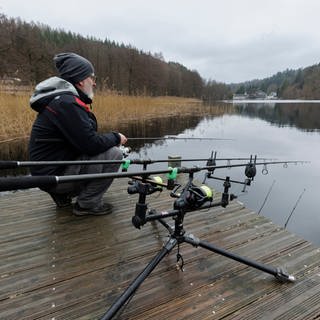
256 95
272 96
240 96
259 94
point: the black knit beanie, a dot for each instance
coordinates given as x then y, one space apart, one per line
72 67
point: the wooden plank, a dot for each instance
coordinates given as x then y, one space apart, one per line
57 266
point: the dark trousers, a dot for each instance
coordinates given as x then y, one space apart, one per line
89 194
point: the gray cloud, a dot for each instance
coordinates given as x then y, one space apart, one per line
226 40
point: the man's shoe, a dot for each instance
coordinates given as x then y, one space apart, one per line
104 209
61 200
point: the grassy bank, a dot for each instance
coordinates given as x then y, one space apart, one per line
110 109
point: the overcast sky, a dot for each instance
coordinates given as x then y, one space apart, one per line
224 40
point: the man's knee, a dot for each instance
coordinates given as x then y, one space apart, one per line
114 153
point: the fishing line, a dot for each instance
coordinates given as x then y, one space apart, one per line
265 200
285 225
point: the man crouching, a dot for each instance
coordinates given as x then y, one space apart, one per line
66 129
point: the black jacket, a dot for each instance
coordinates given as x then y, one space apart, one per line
67 123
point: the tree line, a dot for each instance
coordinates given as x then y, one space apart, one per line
27 50
303 83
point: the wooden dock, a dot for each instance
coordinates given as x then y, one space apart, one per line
58 266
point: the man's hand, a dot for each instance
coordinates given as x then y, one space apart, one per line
123 139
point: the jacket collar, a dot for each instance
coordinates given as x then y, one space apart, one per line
83 96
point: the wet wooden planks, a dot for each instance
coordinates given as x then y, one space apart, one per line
57 266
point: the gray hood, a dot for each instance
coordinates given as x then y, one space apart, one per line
46 90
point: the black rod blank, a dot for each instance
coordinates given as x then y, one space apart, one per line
25 182
45 140
17 164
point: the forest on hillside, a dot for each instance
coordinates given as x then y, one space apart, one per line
27 50
303 83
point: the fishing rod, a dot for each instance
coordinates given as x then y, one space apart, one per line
180 138
149 138
294 208
11 164
265 200
25 182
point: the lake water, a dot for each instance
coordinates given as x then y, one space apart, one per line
277 130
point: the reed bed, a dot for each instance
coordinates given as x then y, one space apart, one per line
110 109
16 116
118 108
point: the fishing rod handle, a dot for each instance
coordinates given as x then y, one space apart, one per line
8 164
14 183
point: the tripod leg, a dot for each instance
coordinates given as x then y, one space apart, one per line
170 244
281 274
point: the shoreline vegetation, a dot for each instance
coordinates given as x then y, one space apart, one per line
111 110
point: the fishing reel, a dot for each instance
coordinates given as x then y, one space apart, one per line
192 197
125 151
144 187
150 186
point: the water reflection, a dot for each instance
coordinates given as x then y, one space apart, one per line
157 127
305 116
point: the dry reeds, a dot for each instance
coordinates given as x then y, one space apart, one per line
117 108
17 116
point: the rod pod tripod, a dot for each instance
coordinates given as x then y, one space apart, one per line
189 200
